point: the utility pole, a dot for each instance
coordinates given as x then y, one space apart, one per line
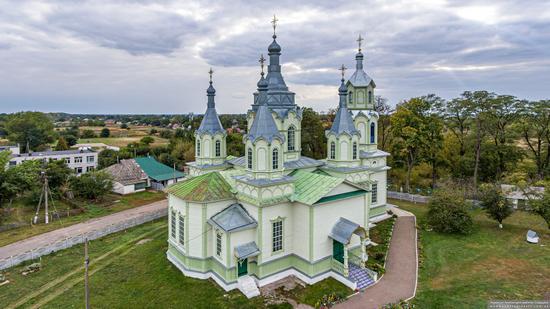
46 215
86 263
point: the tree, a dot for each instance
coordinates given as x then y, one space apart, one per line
384 110
17 179
495 203
235 146
58 174
91 185
105 132
313 135
534 127
458 116
124 126
153 131
61 144
166 134
539 203
147 140
448 213
34 129
109 157
88 134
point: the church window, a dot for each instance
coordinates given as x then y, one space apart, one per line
198 148
218 243
218 148
275 158
370 96
181 229
173 224
291 137
354 150
277 229
332 150
249 158
350 97
372 132
374 193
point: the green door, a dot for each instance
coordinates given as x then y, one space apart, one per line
242 267
338 251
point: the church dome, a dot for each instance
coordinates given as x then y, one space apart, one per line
274 47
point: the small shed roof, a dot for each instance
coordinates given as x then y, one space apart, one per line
157 170
126 172
342 230
246 250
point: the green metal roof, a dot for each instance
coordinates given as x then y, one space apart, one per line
311 187
157 170
203 188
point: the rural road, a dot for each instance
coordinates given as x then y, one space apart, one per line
399 281
77 229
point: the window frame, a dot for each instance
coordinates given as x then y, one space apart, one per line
275 159
218 150
374 193
372 132
332 150
249 158
173 224
291 138
198 148
219 245
77 159
181 229
354 150
277 235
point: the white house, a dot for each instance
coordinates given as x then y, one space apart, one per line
80 160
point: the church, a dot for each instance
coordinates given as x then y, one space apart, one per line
249 221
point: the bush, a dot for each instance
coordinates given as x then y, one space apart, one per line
105 132
88 134
495 203
448 213
91 185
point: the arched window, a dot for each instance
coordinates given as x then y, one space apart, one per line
198 148
372 133
249 158
354 150
275 158
291 136
332 150
350 97
370 96
218 148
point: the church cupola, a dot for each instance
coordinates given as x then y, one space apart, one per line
264 143
360 85
210 137
343 137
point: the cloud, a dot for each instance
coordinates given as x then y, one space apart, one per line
137 56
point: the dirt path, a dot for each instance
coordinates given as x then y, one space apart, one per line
38 241
53 288
399 281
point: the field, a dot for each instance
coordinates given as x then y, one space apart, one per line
122 137
121 141
491 263
112 203
130 269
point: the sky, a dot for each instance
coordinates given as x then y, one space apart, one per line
139 56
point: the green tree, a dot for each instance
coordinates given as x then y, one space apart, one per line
34 129
384 111
18 179
448 213
539 203
313 135
166 134
91 185
88 134
534 128
58 174
235 146
495 203
105 132
61 144
147 140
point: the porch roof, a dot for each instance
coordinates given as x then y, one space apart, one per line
246 250
233 218
343 229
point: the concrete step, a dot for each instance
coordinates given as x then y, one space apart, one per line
360 276
248 286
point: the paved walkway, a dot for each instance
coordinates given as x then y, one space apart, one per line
37 241
399 281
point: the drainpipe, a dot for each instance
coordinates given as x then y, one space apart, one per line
346 266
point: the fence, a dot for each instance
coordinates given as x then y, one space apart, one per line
78 239
415 198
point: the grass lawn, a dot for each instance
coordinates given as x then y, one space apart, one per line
381 235
128 270
490 264
114 203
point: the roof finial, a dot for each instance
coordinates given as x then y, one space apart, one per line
274 22
210 73
262 61
360 40
343 69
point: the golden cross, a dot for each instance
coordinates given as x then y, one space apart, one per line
262 61
359 40
274 22
343 69
210 73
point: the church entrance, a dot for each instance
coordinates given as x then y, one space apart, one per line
338 251
242 267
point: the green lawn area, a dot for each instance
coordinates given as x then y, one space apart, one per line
490 264
113 203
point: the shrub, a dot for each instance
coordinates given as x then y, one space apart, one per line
88 134
448 213
92 185
495 204
105 132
